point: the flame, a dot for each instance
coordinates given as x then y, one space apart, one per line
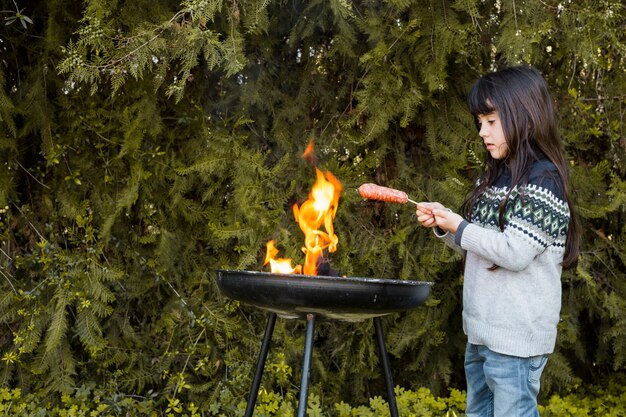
319 210
316 212
279 265
308 154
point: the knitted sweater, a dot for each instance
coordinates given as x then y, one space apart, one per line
514 309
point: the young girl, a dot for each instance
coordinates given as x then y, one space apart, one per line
517 232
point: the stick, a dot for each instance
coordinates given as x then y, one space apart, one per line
414 202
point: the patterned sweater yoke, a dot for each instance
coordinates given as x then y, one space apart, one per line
536 211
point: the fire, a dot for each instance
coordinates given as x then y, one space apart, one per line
319 210
316 212
280 265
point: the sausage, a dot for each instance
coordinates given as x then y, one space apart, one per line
377 192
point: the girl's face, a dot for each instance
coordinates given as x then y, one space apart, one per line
493 135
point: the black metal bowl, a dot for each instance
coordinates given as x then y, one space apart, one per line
343 298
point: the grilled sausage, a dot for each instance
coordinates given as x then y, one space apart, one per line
377 192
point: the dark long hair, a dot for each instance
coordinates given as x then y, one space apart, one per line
522 99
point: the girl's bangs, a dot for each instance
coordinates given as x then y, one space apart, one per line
479 99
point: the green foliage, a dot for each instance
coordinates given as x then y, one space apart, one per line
145 144
146 48
84 401
606 400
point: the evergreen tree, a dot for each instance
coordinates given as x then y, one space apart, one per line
147 143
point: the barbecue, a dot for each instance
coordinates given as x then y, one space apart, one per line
305 292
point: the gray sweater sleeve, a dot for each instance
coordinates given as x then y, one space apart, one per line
452 240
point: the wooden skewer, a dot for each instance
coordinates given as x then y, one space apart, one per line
414 202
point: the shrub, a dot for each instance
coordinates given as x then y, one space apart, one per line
608 400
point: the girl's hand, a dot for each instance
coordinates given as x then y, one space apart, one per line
436 214
425 215
446 219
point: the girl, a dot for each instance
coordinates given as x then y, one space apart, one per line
517 232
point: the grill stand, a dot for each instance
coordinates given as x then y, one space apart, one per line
306 365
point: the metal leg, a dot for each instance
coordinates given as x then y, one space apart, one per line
306 365
384 360
256 382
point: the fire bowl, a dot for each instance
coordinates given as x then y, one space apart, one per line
294 296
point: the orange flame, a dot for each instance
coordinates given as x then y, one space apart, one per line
308 153
280 265
319 210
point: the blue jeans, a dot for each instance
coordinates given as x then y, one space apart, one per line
500 385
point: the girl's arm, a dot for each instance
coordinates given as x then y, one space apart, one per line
525 236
